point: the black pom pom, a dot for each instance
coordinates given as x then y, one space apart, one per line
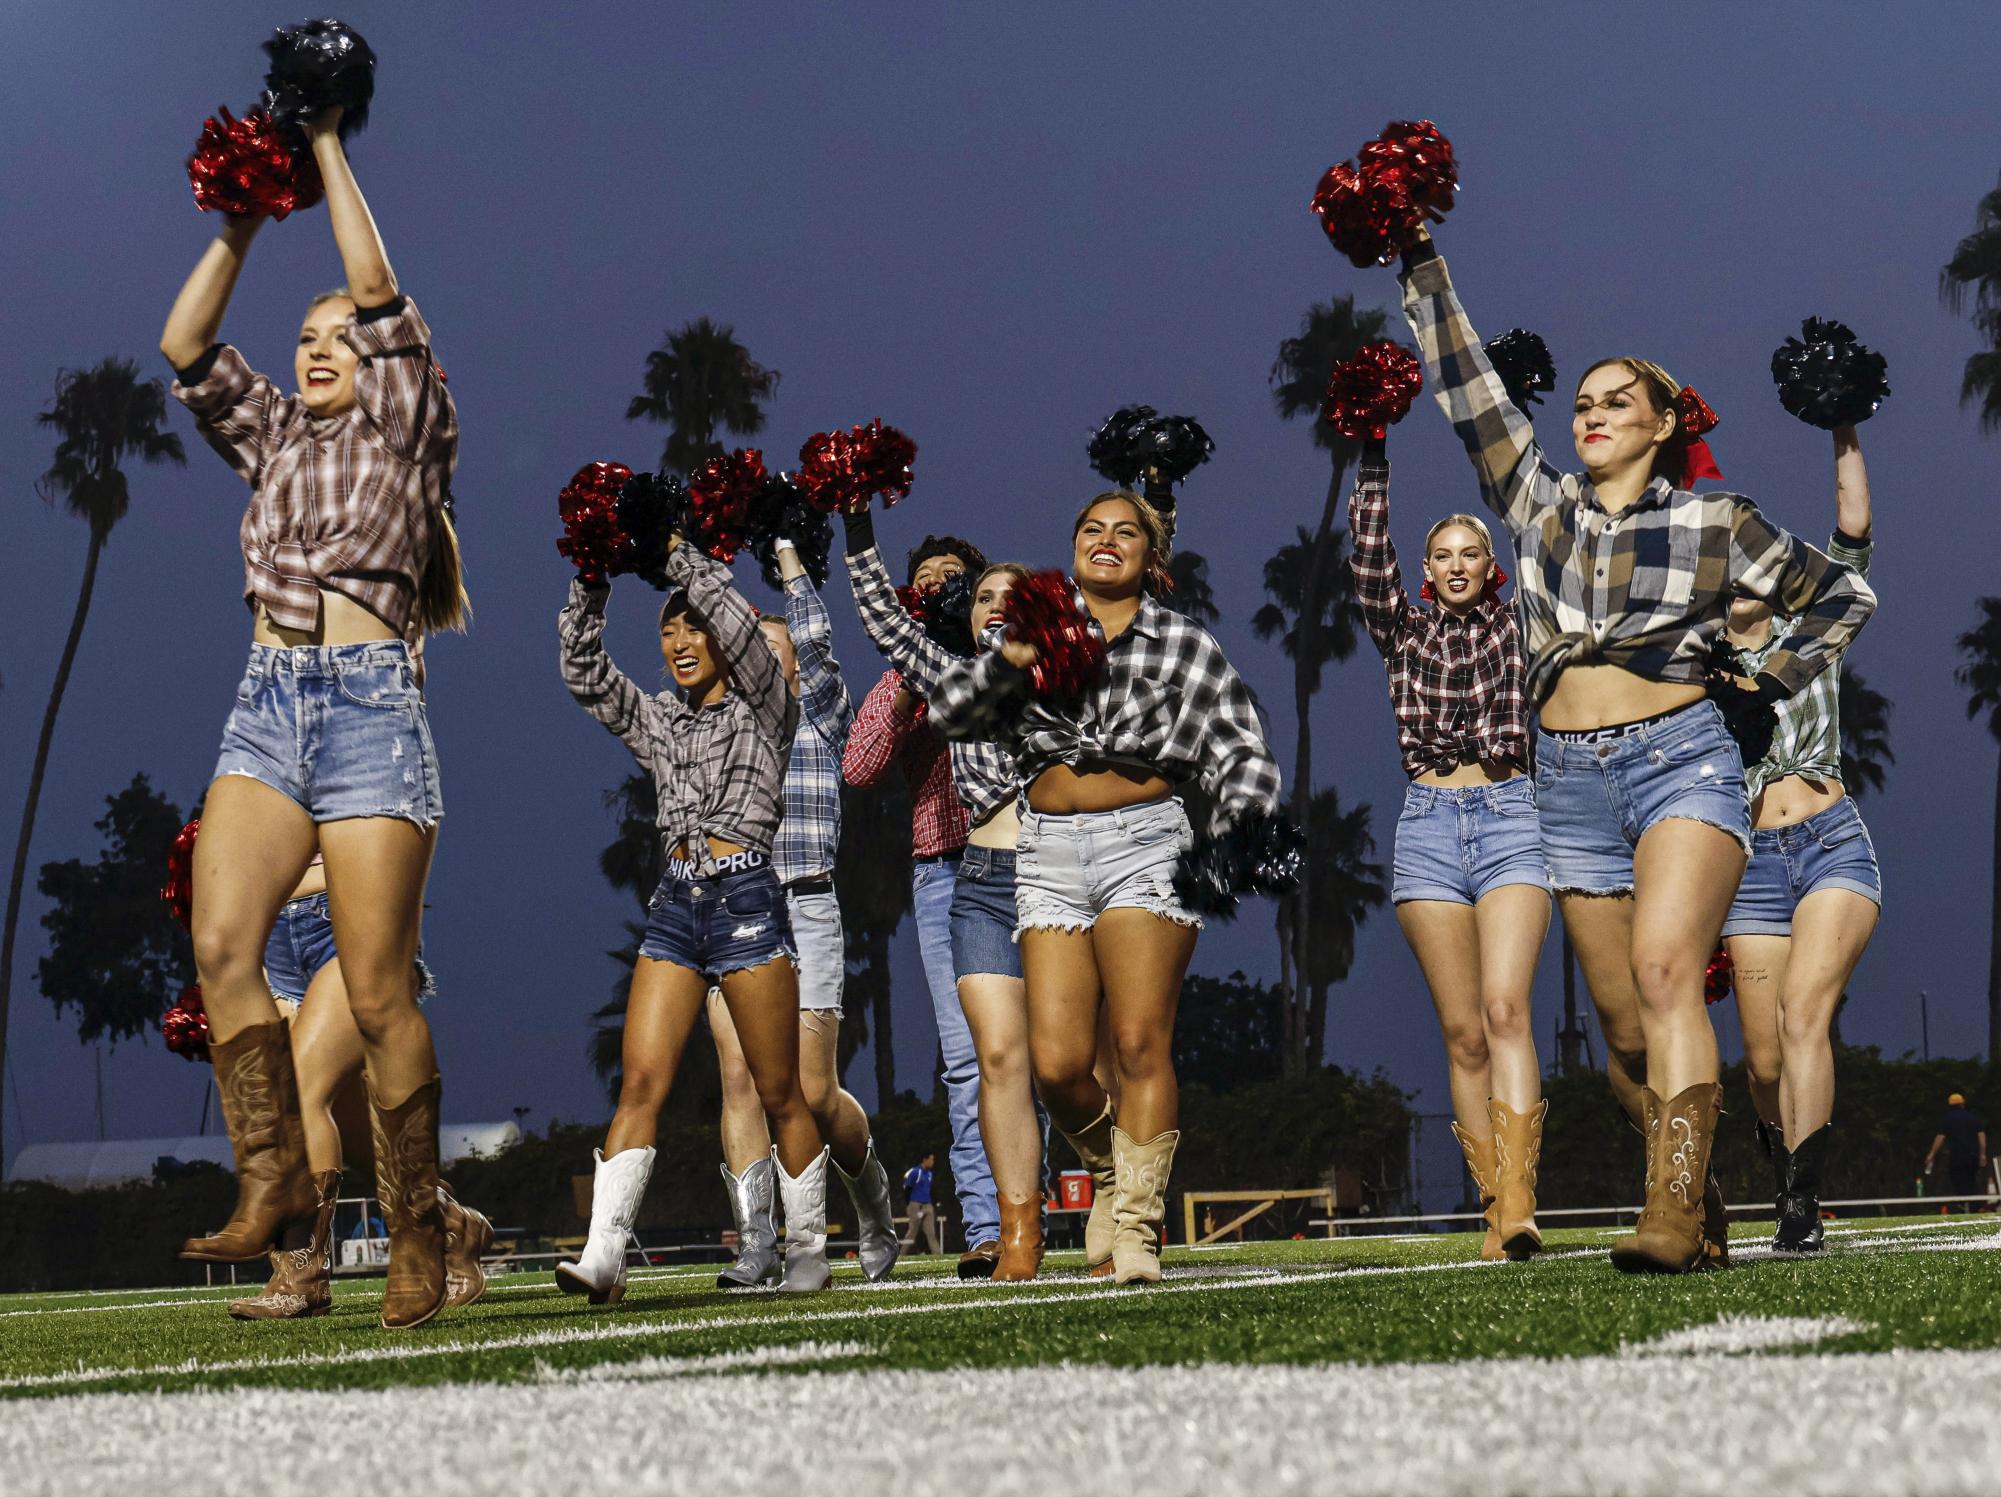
1522 360
650 507
315 66
1826 378
948 613
1256 852
1115 450
781 509
1137 438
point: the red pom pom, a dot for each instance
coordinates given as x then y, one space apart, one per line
591 535
1406 176
179 890
1372 391
252 168
185 1026
1042 611
1717 979
843 470
720 495
912 599
1356 219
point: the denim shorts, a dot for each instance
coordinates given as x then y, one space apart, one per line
1072 869
1596 799
1457 843
302 942
983 915
822 948
716 926
1829 851
340 729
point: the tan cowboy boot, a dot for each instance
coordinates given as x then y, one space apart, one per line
1517 1152
406 1182
1669 1236
467 1234
260 1107
1480 1164
1093 1144
1021 1239
1139 1205
301 1282
1715 1226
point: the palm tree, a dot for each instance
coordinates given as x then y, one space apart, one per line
1981 676
634 860
1865 734
1976 265
102 417
1346 886
702 382
1192 596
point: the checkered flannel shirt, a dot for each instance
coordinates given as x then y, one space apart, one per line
718 770
1646 588
351 502
1168 704
1456 683
880 738
809 835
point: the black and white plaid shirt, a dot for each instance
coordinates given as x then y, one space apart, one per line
718 770
1168 704
1646 588
809 836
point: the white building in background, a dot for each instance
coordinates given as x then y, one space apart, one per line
120 1161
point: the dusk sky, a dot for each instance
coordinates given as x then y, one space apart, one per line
988 226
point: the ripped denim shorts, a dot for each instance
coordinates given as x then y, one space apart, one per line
1069 870
716 926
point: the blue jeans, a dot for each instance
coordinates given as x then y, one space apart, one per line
302 942
1457 844
1831 850
932 886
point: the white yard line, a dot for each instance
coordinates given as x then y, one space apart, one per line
1733 1334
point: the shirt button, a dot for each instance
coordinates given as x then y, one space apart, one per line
1601 571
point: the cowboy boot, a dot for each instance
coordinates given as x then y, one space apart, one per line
1480 1164
1715 1226
1021 1239
301 1282
616 1190
1772 1139
1139 1203
756 1230
260 1107
875 1215
805 1199
1517 1153
1093 1143
406 1183
1669 1236
467 1234
1800 1234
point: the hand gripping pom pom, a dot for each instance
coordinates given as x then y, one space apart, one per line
179 889
1372 391
1258 852
843 470
1826 378
1042 612
720 495
780 510
650 508
185 1026
251 168
1137 443
945 611
317 66
1717 979
1522 361
1406 176
592 538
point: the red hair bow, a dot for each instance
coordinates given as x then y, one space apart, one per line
1697 420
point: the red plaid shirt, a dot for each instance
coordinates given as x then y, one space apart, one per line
937 819
349 502
1457 683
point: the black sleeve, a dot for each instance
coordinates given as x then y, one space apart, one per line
375 314
201 368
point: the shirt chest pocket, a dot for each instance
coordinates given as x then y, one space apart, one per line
1678 545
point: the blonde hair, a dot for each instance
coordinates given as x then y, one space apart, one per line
339 293
1664 394
1472 522
1159 541
1014 571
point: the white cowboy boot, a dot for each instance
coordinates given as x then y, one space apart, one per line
875 1216
600 1271
805 1198
756 1232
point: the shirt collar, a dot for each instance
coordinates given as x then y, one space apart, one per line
1657 493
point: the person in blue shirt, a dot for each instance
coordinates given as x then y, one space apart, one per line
923 1215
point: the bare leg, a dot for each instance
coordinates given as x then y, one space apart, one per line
1831 928
764 1005
1513 920
842 1122
1601 933
327 1054
1061 972
1142 958
1685 875
1445 938
1759 964
658 1018
254 847
376 867
997 1012
746 1139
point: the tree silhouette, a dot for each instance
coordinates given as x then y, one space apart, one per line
1865 734
1980 675
1975 266
701 382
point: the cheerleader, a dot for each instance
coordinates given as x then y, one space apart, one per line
1627 577
1810 895
1470 889
717 746
349 558
1100 921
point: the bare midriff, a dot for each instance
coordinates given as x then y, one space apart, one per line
1605 696
1793 798
315 882
1485 772
718 848
1063 791
1000 830
342 622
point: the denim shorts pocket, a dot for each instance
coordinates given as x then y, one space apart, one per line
1154 831
1513 802
1848 829
390 687
250 685
755 903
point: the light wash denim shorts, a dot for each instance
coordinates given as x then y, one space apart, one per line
1457 843
1831 850
1069 870
340 729
984 915
302 942
822 948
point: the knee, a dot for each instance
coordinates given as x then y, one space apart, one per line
1003 1066
1665 978
225 953
820 1091
1506 1016
1801 1026
1761 1062
778 1093
1466 1047
643 1089
737 1085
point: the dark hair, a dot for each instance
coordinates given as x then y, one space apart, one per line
970 555
1156 580
678 604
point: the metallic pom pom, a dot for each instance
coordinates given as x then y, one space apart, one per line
1406 176
650 508
592 538
179 889
316 66
251 168
1826 378
1522 361
185 1026
780 509
1043 611
1718 977
1137 444
720 495
1256 852
843 470
1372 391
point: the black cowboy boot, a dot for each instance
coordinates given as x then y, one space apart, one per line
1799 1234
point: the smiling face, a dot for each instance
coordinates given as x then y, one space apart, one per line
1615 421
1111 549
1457 564
684 645
989 595
324 363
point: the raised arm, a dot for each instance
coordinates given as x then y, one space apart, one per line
1826 602
605 691
370 281
1379 590
823 695
901 638
1852 514
196 317
879 731
732 624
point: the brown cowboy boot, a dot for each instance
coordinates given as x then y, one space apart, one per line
1517 1151
1669 1236
301 1282
1093 1144
467 1234
1715 1226
1021 1239
1480 1164
260 1106
1139 1211
406 1182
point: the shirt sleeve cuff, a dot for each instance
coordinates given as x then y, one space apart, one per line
390 308
199 370
1423 251
588 597
394 327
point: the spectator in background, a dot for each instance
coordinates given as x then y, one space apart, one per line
923 1215
370 1225
1963 1136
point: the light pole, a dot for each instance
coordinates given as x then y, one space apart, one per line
1925 1021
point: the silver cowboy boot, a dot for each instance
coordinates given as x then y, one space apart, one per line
875 1216
756 1233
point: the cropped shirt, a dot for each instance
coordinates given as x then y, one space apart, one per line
809 835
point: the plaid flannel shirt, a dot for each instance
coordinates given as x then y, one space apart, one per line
809 835
1169 703
718 770
1807 740
351 502
982 771
1456 682
1646 588
937 819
